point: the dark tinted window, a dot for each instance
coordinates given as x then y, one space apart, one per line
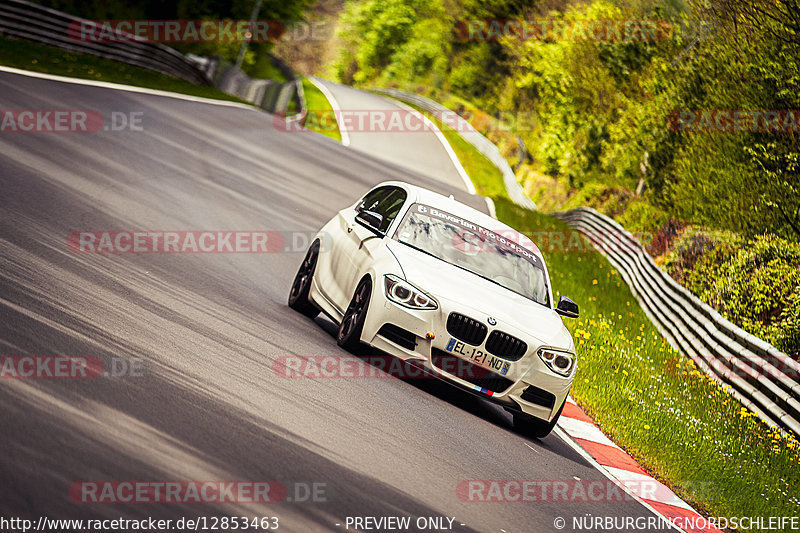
386 201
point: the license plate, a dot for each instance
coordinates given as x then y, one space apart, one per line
478 357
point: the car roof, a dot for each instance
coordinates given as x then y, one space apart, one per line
454 207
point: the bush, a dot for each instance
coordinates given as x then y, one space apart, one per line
422 56
692 244
756 285
469 70
392 38
641 216
787 333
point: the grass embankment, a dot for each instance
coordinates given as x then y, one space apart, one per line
321 117
485 176
652 401
50 60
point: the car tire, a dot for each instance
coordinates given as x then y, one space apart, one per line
298 294
534 427
349 336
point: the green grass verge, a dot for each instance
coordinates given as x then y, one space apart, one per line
652 401
320 113
486 177
50 60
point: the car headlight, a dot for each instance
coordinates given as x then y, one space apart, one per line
405 294
560 362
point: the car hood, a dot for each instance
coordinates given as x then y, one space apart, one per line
483 297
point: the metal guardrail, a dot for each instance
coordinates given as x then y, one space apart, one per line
32 22
761 377
270 95
472 136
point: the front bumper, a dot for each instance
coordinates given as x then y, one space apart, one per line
525 385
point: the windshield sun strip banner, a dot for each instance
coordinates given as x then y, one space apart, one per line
497 239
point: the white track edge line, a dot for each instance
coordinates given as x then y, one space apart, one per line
128 88
580 429
626 475
569 441
337 110
490 207
447 148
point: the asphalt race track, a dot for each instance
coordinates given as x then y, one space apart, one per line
205 330
419 151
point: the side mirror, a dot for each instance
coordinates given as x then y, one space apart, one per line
567 308
370 220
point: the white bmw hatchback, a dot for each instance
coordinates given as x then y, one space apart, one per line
441 285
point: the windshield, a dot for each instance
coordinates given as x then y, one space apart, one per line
496 257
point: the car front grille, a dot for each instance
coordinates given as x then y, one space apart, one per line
505 346
466 329
471 373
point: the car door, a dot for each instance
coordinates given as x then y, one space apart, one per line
338 267
357 250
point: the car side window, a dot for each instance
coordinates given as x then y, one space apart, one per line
373 199
386 201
